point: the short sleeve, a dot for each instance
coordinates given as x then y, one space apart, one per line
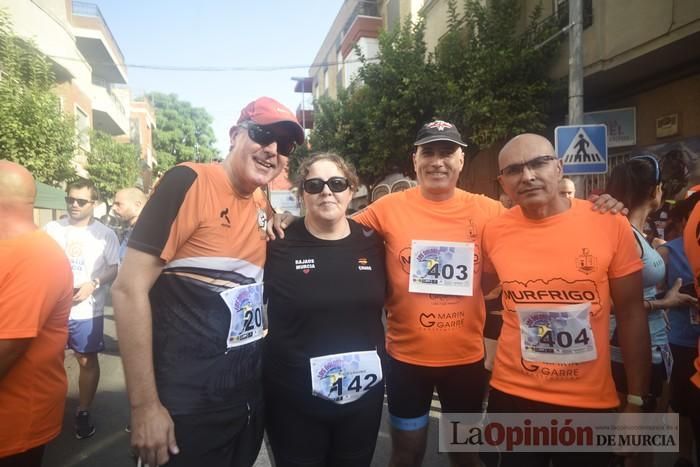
164 221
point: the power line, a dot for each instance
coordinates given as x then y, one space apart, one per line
215 68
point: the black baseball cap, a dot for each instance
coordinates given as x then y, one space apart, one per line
439 130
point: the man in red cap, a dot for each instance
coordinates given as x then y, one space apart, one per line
188 300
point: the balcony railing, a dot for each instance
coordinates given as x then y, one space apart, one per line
108 87
93 11
363 8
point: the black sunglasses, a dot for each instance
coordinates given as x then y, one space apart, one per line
264 137
533 164
81 202
336 184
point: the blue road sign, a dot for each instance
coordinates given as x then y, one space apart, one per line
583 149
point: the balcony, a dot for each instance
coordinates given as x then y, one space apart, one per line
363 22
108 111
97 44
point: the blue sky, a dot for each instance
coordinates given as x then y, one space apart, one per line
219 33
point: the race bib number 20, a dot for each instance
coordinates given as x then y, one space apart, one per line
245 305
445 268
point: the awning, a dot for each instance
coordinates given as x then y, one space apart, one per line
48 197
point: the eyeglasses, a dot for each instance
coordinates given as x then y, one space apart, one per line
81 202
647 157
336 184
537 163
264 137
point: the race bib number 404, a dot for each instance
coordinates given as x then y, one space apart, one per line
245 305
345 377
445 268
559 335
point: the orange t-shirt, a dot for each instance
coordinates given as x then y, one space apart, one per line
562 260
691 243
431 329
36 292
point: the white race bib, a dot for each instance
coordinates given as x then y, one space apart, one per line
345 377
562 334
245 305
445 268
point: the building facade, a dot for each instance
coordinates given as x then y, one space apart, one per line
89 67
641 70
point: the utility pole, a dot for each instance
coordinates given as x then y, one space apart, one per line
576 74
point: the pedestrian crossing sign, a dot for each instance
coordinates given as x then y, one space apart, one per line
583 149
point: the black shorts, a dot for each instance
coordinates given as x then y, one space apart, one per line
409 388
685 396
307 431
219 439
501 402
658 376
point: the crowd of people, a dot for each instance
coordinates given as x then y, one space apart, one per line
389 301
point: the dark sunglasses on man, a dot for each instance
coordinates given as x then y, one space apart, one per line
264 137
81 202
314 186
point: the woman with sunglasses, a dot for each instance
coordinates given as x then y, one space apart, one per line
324 284
637 183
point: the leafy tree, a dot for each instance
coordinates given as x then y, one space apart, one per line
488 75
374 122
33 130
184 133
496 74
112 165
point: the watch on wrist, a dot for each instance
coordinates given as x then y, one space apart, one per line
647 403
96 283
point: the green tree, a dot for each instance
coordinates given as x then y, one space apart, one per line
33 130
374 122
112 165
184 133
495 72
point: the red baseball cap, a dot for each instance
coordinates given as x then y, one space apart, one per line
267 111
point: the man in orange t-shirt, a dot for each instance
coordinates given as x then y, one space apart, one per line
36 290
193 268
560 266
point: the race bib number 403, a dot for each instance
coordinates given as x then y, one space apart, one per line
559 335
245 305
345 377
445 268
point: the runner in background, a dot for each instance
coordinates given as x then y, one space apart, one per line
684 332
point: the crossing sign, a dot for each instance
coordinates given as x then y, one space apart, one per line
583 149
